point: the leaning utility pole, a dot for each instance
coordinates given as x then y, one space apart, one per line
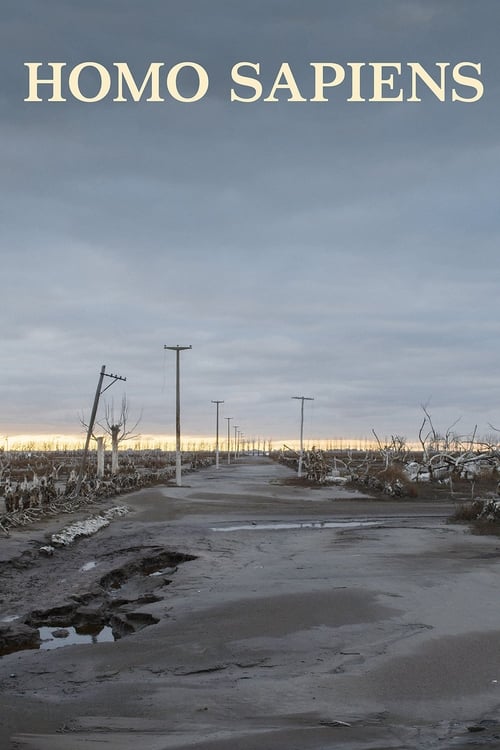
177 349
217 434
301 454
103 374
228 440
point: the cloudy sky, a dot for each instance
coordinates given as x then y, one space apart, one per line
347 251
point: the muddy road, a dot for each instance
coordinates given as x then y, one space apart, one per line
241 611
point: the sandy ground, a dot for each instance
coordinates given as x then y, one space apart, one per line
362 638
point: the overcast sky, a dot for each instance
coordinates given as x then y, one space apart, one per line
347 251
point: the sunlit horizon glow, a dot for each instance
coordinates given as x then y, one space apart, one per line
166 442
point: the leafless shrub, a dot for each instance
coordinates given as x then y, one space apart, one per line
467 512
396 482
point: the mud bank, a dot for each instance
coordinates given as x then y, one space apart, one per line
239 634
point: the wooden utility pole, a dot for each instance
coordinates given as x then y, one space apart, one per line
217 434
178 349
103 374
235 442
301 454
228 440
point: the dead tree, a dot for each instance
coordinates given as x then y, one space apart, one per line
395 451
100 440
100 455
436 444
117 426
4 467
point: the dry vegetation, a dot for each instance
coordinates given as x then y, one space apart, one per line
446 466
34 484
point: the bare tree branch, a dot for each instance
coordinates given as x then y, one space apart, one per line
118 426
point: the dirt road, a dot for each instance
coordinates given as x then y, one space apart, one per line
249 620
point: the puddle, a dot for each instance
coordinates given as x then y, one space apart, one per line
73 637
163 572
282 525
159 564
111 609
88 566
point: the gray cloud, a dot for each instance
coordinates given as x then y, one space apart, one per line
344 251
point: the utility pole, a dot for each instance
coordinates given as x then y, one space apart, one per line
103 374
177 349
301 454
228 440
217 434
235 442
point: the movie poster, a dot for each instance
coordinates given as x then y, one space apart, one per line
301 198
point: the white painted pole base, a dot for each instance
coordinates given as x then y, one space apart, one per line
178 477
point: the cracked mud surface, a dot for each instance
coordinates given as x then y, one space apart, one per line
359 639
135 577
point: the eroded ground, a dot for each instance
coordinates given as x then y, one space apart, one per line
368 637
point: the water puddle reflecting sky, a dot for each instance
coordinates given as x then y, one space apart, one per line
283 525
10 618
49 641
88 566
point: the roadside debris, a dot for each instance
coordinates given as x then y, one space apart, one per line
88 527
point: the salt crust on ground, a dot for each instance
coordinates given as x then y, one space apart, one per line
88 527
